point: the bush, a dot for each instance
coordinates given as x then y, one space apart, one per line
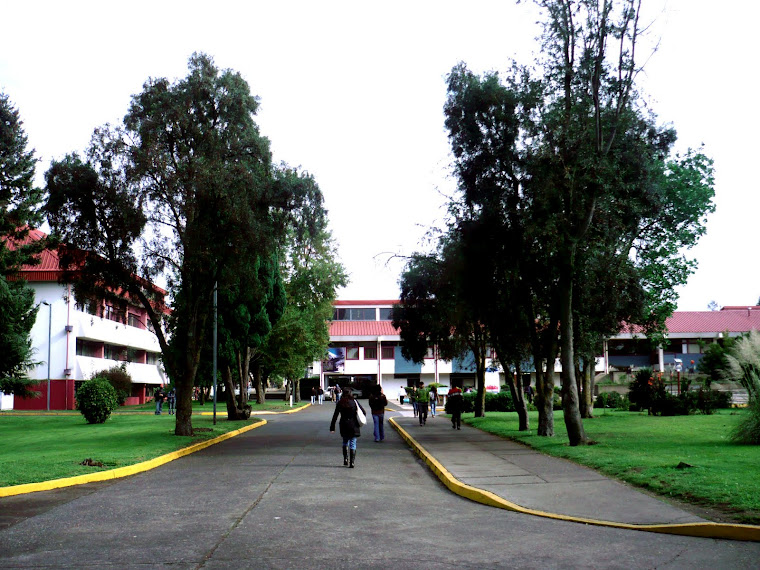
612 400
499 402
748 429
96 399
120 379
647 392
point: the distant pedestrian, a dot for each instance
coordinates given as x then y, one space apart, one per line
413 400
159 397
321 394
171 400
349 425
433 398
455 407
338 391
401 395
422 397
313 395
377 403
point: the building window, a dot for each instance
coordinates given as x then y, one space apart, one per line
352 314
133 320
693 347
370 352
388 352
87 348
352 352
430 352
113 352
152 357
386 314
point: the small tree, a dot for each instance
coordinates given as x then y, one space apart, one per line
96 399
120 379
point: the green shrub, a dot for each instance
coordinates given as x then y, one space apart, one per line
499 402
748 429
96 399
647 392
612 400
120 379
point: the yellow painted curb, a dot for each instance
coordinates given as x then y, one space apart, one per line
266 413
122 471
704 530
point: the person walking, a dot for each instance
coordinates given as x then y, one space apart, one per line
422 398
321 394
377 403
433 399
455 406
313 395
159 397
337 391
349 425
401 395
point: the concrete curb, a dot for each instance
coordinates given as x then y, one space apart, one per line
702 530
266 413
122 471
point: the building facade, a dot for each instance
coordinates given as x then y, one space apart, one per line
74 339
365 349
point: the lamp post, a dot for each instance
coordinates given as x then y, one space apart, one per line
214 352
50 328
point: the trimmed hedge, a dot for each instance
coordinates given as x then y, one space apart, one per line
96 399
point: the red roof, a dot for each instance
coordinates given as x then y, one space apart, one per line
364 303
362 328
49 269
728 319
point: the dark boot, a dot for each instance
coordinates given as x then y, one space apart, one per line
353 456
345 456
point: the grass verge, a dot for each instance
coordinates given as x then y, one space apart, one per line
646 451
41 447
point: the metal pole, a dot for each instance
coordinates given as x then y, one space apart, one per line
214 358
50 328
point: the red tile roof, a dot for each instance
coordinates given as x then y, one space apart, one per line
362 328
730 320
48 268
365 303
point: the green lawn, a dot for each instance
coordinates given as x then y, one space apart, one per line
646 450
41 447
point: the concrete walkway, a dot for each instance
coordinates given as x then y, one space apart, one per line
493 470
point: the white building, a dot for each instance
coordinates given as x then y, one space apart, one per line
74 339
365 351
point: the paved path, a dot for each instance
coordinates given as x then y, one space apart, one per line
537 481
279 497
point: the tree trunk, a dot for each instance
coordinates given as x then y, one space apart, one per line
587 395
297 395
515 388
544 397
260 397
570 407
480 380
234 412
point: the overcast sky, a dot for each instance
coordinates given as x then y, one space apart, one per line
353 93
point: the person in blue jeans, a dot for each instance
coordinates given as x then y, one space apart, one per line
349 425
377 403
159 396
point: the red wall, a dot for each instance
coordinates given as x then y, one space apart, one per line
61 397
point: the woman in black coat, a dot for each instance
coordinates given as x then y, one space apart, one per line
349 424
